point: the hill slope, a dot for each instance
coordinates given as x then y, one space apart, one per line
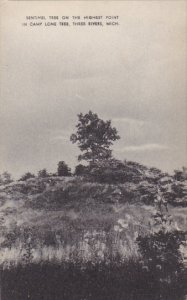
72 218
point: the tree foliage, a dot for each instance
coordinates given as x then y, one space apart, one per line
94 137
43 173
5 178
161 254
80 170
26 176
63 169
160 249
180 175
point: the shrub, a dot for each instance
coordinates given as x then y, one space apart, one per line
114 171
80 170
43 173
161 254
26 176
180 175
63 169
5 178
178 194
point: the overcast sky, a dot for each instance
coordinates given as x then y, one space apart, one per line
134 74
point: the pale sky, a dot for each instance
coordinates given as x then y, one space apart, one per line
134 74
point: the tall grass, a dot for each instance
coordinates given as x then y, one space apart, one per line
92 246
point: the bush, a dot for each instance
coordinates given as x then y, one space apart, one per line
114 171
161 254
80 170
26 176
5 178
178 194
63 169
180 175
43 173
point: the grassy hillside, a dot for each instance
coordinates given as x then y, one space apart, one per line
71 218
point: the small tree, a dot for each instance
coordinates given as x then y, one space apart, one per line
43 173
94 137
160 249
63 169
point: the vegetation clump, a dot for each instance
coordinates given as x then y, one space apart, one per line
161 255
5 178
63 169
26 176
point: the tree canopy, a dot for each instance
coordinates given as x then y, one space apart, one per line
94 137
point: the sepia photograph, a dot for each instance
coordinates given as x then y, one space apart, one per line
93 150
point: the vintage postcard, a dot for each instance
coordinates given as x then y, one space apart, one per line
93 150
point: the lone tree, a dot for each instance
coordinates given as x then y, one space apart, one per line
94 137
